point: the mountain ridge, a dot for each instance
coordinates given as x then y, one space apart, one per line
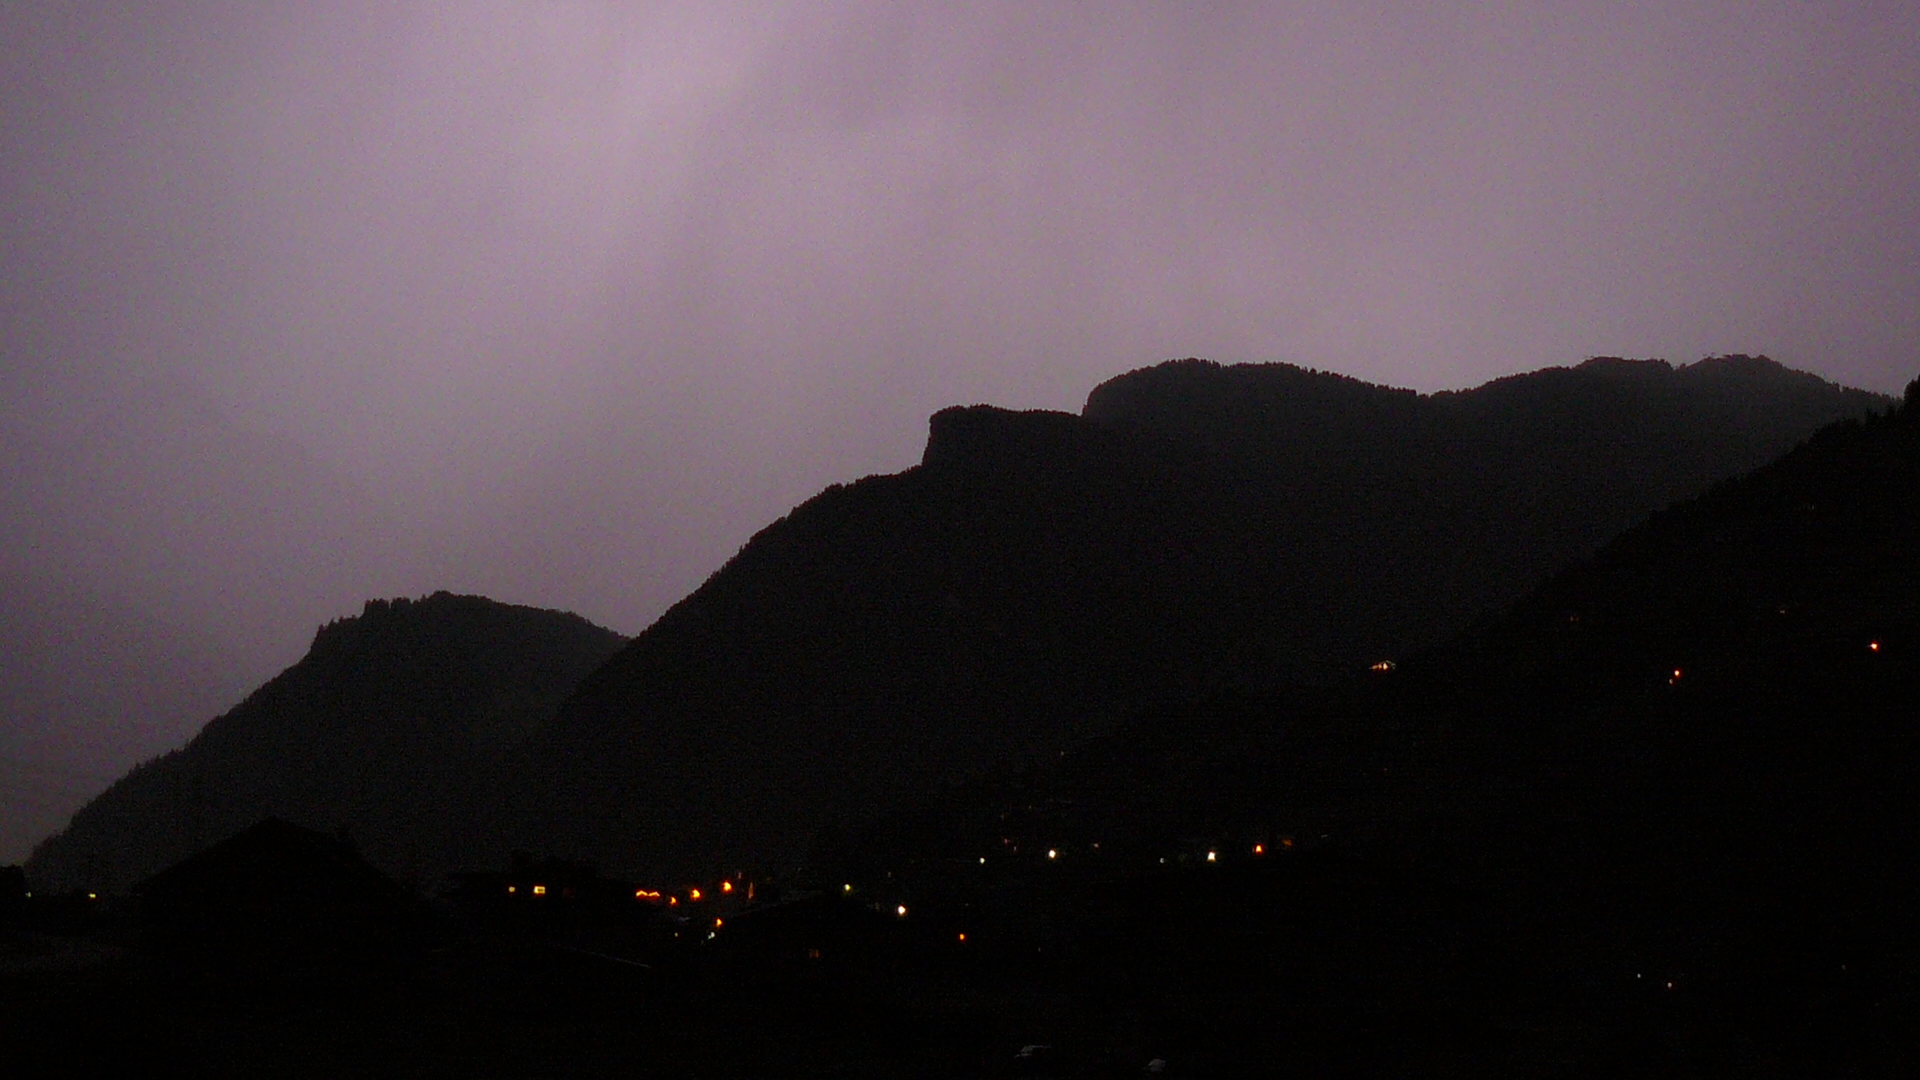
1042 576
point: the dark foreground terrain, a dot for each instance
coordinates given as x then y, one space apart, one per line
1309 963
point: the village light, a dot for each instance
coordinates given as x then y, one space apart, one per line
726 886
901 911
693 894
1052 854
963 935
1259 849
1213 856
1873 646
511 889
846 888
539 890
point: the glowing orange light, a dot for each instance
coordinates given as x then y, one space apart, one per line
693 894
1873 646
646 894
539 890
726 886
901 911
1259 849
1382 665
1052 854
1286 841
672 900
963 937
1213 856
513 888
718 923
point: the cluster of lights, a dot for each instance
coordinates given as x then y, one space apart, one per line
694 894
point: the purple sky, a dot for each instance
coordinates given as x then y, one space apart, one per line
304 303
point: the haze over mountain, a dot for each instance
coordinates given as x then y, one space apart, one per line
163 560
88 690
389 730
1040 577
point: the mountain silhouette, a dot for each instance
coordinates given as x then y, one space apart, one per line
1042 577
1715 709
386 731
1663 805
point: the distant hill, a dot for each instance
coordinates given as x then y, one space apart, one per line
382 732
1040 577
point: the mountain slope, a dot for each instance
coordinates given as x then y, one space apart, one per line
1040 577
1719 702
384 729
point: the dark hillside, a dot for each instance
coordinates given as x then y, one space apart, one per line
1769 628
1042 576
1413 514
1667 801
383 730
